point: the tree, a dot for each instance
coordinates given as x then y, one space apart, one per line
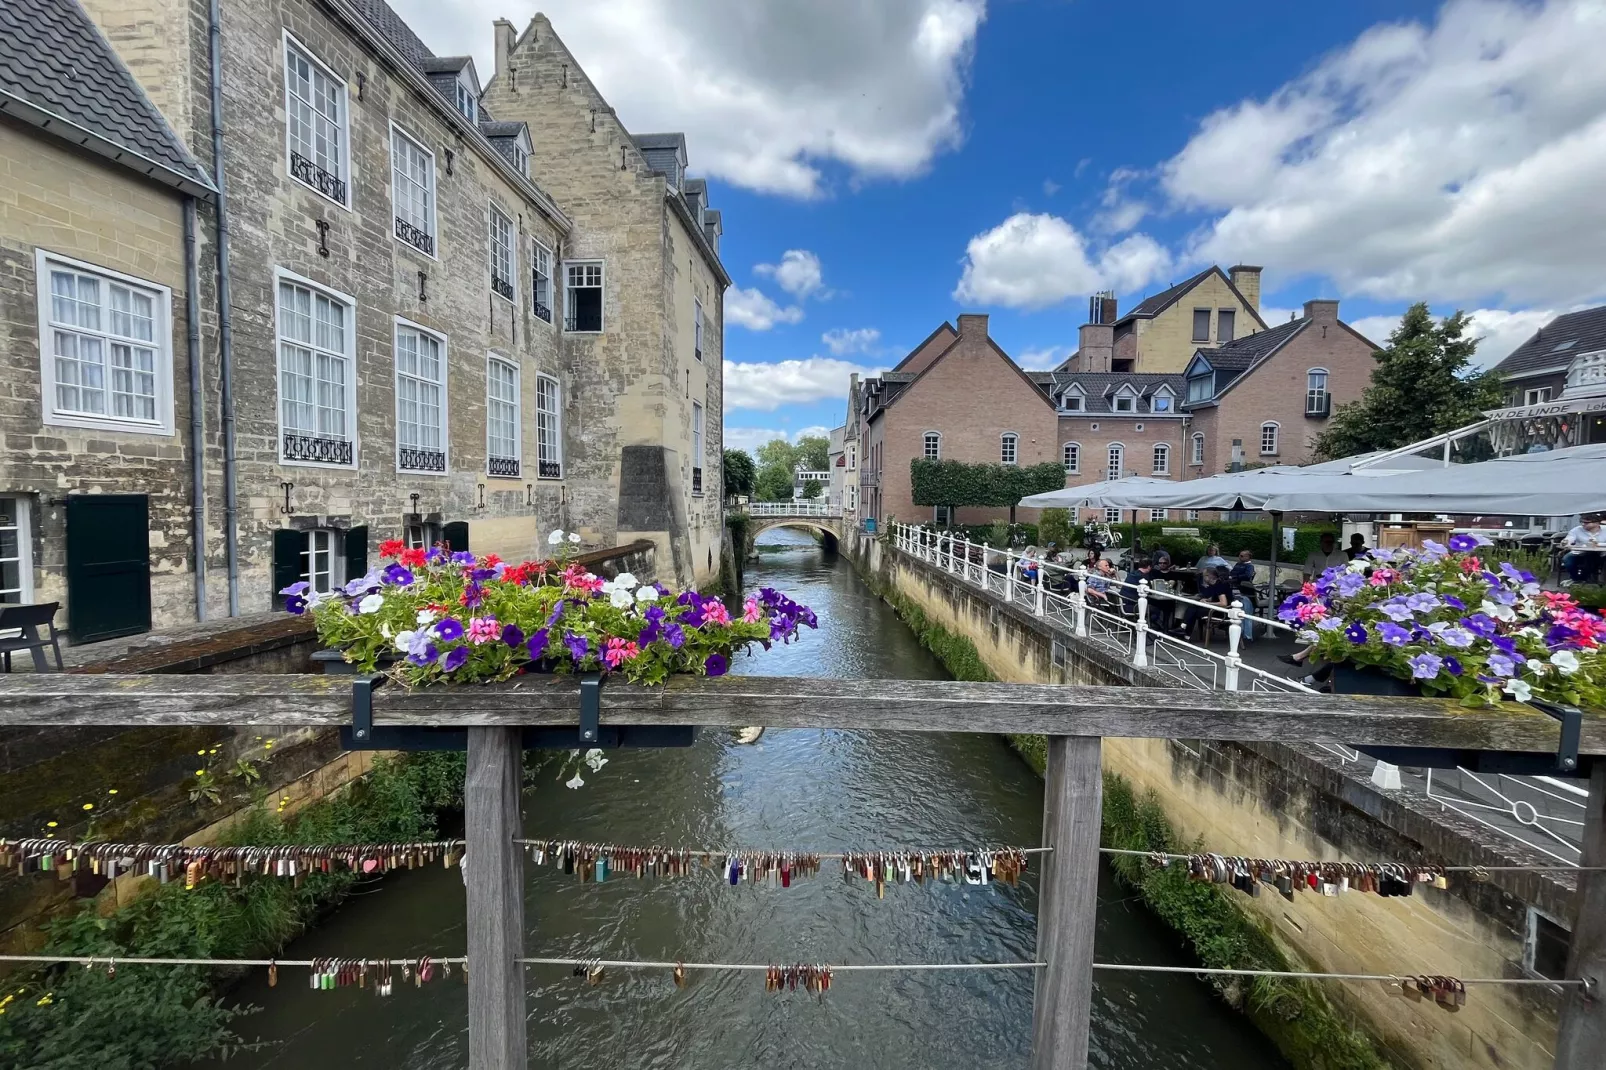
777 451
773 484
955 483
739 473
813 452
812 488
1422 386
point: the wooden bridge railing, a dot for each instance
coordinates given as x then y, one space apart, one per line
1073 717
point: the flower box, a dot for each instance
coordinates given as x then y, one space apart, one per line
1440 621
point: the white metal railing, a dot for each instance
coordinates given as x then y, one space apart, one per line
1545 813
794 508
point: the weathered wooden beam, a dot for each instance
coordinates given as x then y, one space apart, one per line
1067 904
494 875
1581 1041
791 702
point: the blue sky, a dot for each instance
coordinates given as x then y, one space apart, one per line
883 167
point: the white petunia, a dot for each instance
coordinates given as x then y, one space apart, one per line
574 537
575 783
621 598
627 580
371 604
426 617
1565 661
404 641
1519 689
608 587
646 594
555 538
1498 611
595 760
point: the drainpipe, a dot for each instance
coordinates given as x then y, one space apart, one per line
192 322
225 313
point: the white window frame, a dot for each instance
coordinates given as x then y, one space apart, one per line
1208 381
1071 458
1112 514
539 253
280 276
1162 400
492 360
697 327
510 248
931 446
1157 516
1114 460
399 324
1162 459
1124 396
1276 430
1070 396
433 253
1536 395
602 306
161 341
555 415
1196 457
334 547
468 106
853 456
1009 448
697 441
1192 514
421 534
293 44
1312 392
21 523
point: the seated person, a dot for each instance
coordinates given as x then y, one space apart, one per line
1212 559
1098 583
1213 588
1320 560
1142 569
1586 548
1242 575
1357 546
1163 581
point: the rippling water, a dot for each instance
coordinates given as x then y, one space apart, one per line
819 790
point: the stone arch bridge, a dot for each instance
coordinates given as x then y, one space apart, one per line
812 516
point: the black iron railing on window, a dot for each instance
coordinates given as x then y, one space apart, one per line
420 460
329 185
502 286
320 449
542 312
503 466
414 236
550 469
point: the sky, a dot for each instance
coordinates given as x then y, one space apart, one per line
882 167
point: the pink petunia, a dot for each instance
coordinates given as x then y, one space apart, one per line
1311 611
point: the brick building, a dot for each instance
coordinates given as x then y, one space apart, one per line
98 332
1556 384
1161 333
956 396
416 340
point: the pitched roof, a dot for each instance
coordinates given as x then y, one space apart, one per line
1556 343
57 72
1245 352
1099 388
1152 306
391 27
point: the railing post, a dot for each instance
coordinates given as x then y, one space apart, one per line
1079 602
1582 1036
986 560
1062 1001
1235 635
1009 575
1140 648
1042 574
494 875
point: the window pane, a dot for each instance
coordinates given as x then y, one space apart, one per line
1224 324
1201 325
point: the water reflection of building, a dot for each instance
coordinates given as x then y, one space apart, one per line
1556 387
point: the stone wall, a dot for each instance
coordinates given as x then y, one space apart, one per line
1262 800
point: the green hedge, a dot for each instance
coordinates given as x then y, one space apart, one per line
999 485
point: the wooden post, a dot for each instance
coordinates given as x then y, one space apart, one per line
1067 903
1582 1036
494 874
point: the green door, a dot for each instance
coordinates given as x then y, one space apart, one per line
108 565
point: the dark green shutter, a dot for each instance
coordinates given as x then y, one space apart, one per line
108 565
357 552
456 536
287 547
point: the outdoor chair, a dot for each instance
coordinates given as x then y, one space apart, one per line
19 630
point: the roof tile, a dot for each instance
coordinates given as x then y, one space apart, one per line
1557 342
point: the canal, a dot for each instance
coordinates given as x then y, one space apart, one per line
808 790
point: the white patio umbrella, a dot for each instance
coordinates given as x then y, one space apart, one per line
1559 483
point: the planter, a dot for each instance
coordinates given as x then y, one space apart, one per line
1349 679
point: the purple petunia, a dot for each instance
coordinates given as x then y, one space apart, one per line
1455 603
436 555
1501 665
578 647
1393 634
674 635
298 588
1350 584
1462 544
538 641
397 575
1452 666
295 604
449 629
1459 638
1330 624
716 665
1396 610
1356 633
455 658
462 557
473 596
479 575
1422 602
1480 624
424 654
513 636
1425 666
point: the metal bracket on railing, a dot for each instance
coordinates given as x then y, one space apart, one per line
590 706
1572 726
362 708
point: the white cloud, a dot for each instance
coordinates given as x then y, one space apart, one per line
842 342
751 438
1450 162
768 94
1037 358
799 273
1274 316
1050 187
1498 331
767 387
751 309
1376 328
1033 261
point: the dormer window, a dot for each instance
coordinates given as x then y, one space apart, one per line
521 160
466 104
1200 387
1070 401
1160 403
1125 403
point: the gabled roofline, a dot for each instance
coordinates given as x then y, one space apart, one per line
1263 358
1042 394
69 132
1186 287
925 342
678 204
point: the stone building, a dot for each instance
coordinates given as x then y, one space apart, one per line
99 333
852 438
416 340
652 442
956 396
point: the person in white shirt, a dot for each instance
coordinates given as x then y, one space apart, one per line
1320 560
1586 547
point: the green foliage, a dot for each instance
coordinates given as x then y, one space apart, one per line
956 653
957 483
1055 526
739 472
774 483
1000 533
1589 595
1295 1014
738 524
812 488
1422 385
812 452
68 1017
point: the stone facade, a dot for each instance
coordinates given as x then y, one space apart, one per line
655 393
970 394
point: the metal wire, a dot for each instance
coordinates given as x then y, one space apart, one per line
1173 857
823 855
134 960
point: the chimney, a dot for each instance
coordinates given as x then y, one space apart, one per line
1101 307
1322 311
973 325
1095 348
504 45
1246 279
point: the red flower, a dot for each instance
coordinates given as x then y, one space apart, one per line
516 574
1470 564
490 560
413 558
392 548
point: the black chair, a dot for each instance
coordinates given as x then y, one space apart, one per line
26 620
